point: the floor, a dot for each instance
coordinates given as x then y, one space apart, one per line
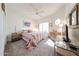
45 48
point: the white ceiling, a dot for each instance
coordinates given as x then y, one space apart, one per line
35 11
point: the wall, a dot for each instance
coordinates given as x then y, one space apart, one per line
2 32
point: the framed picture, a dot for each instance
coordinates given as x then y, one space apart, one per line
28 24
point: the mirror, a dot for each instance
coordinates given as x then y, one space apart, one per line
74 16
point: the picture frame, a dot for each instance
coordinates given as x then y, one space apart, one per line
28 24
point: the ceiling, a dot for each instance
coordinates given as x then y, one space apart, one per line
35 11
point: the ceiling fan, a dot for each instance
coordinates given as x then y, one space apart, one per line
38 10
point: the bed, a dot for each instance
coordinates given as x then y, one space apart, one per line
32 38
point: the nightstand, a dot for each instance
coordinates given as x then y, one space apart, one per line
16 36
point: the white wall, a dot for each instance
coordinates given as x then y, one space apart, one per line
2 32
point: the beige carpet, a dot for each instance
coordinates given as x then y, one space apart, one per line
45 48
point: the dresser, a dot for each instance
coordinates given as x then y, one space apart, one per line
63 49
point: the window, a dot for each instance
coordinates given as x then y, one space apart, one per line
44 27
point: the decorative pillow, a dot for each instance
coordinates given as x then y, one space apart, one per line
29 30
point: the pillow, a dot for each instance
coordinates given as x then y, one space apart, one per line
29 30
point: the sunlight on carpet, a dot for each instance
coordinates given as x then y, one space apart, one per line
49 42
